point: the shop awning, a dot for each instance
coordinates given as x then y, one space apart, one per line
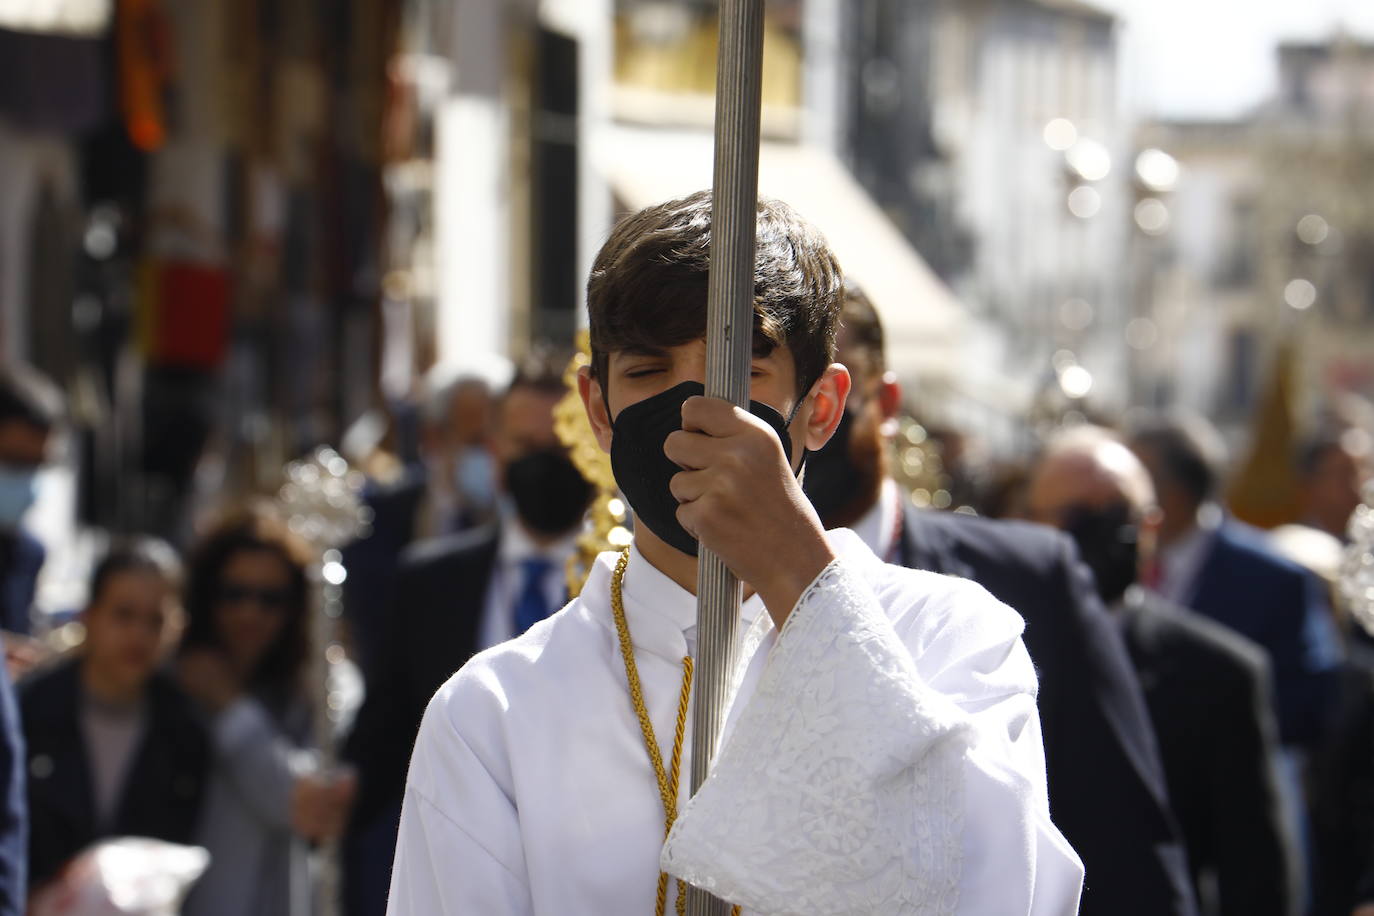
924 322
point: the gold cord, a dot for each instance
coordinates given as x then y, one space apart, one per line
667 780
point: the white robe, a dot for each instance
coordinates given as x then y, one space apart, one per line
882 756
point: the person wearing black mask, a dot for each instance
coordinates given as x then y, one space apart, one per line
1207 688
456 595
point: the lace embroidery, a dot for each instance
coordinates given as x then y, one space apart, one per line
840 790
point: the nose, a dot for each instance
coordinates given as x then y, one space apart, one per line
690 365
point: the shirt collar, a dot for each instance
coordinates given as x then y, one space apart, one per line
662 615
878 527
1183 559
515 545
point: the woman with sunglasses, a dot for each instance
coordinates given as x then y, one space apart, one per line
244 659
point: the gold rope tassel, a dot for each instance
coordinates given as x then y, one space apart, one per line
668 780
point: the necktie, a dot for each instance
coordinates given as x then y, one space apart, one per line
531 602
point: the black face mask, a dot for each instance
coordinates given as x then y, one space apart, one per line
643 472
1109 542
550 494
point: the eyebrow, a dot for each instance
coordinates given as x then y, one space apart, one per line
639 350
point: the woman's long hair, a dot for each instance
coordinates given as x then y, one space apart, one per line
280 672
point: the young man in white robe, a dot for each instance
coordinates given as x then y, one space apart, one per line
882 753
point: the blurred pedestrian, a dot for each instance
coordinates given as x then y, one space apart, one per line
244 660
1206 686
1106 782
451 489
1225 570
30 409
114 748
459 594
1333 465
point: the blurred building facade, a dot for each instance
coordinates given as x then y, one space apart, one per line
990 132
1266 242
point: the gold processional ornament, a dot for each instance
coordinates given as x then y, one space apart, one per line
608 519
918 467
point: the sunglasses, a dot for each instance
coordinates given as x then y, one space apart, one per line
275 600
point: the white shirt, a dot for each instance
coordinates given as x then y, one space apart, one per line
513 548
882 522
882 756
1182 561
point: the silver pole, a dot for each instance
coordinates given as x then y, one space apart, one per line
729 349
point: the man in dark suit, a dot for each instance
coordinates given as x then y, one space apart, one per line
1207 687
1224 570
1106 782
456 595
449 489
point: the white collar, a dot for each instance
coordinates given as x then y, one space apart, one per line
515 545
662 615
878 527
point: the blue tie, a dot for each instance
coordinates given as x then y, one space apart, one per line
532 604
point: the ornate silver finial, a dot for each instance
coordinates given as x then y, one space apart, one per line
1357 571
322 500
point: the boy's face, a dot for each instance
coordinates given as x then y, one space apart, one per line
636 375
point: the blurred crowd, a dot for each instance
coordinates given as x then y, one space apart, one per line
1207 703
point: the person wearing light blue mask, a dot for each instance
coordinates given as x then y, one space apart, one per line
474 478
18 489
30 409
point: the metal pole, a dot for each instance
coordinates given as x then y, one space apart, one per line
729 346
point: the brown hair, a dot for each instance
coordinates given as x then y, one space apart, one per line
135 554
864 343
648 285
257 528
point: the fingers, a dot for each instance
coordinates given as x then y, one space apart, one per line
688 486
717 418
690 450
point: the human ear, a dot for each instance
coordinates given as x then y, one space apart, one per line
889 400
594 402
827 405
889 395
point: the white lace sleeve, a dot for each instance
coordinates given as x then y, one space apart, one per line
840 789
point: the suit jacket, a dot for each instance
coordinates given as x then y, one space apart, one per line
21 559
1341 786
1209 697
1283 607
434 627
1106 781
162 794
372 561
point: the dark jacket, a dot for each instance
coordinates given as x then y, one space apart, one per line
372 561
1341 786
1209 697
1106 781
21 559
162 794
1283 607
434 625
